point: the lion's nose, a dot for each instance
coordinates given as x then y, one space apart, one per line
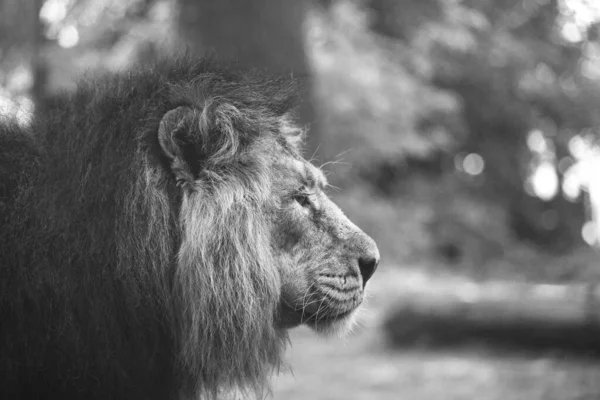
368 262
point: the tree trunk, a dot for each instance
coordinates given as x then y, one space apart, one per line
264 34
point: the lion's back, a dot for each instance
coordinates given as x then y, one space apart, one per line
69 326
19 162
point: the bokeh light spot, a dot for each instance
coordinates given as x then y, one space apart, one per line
536 141
545 181
589 233
68 37
473 164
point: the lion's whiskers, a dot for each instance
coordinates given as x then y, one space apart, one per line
303 302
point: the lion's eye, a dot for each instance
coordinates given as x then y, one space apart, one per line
303 199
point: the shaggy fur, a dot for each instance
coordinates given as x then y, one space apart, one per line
116 283
159 233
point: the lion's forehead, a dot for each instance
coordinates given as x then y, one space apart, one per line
312 176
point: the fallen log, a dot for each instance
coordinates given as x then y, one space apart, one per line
451 311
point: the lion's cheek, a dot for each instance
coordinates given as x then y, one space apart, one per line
289 315
293 287
287 234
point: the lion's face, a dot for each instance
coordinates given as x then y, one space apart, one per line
324 259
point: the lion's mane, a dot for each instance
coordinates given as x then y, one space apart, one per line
114 283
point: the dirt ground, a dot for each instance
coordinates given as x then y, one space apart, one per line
361 366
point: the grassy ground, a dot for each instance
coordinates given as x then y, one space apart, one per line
363 367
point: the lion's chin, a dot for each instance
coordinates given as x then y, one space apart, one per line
324 324
340 325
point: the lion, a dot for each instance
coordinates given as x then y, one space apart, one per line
162 233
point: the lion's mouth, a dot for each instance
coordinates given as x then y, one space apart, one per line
323 315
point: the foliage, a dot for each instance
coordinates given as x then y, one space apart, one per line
411 88
517 71
379 100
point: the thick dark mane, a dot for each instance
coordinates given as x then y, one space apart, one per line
173 290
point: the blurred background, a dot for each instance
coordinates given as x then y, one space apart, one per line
463 135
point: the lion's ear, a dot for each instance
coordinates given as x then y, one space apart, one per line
295 135
177 141
172 131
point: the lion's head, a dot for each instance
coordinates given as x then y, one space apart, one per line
322 261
